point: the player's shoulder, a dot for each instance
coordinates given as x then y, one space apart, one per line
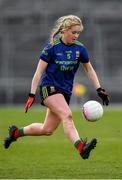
78 43
56 41
80 46
47 48
48 45
53 43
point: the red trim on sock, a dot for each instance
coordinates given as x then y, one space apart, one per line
80 147
16 133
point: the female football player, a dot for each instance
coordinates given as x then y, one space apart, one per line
55 73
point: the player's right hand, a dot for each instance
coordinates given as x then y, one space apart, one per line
30 101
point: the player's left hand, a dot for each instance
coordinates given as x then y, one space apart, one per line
30 101
104 96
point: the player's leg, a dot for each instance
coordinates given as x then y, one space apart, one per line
51 122
59 106
35 129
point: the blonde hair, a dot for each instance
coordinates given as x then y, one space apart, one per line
63 23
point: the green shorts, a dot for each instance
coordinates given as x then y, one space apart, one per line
46 91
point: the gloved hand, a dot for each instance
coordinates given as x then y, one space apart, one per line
30 101
104 96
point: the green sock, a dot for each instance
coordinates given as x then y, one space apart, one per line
77 142
21 132
79 145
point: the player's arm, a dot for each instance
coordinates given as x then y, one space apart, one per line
91 74
95 81
38 73
35 81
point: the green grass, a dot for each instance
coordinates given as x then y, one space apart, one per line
54 157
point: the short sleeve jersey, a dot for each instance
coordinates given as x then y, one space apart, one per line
63 61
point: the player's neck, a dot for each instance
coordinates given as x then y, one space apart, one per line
65 42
